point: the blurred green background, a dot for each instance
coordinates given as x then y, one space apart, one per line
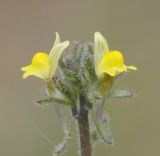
129 26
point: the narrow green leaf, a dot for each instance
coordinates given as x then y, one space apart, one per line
104 131
52 100
120 93
102 127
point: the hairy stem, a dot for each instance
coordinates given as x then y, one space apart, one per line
83 123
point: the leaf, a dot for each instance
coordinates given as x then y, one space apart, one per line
62 145
52 100
102 126
104 131
120 93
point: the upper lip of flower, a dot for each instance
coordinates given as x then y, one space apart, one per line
110 62
43 65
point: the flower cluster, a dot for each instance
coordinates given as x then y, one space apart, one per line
87 70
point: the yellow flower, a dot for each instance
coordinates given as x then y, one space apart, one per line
44 65
109 62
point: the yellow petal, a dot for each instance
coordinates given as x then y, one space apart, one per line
112 63
132 67
55 55
100 47
34 72
25 68
40 66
